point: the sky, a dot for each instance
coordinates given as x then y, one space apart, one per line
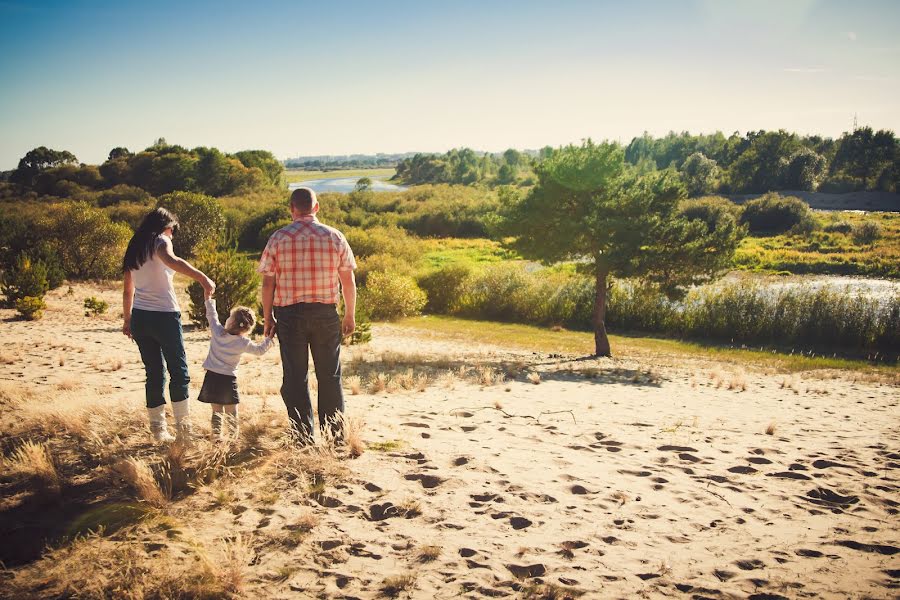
309 78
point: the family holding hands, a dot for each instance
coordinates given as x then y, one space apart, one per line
305 266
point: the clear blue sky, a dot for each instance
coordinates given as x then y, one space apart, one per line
343 77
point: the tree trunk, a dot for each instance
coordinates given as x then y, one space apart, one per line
601 340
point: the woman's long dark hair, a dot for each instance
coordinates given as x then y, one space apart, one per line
143 242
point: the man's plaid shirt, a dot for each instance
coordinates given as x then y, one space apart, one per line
305 258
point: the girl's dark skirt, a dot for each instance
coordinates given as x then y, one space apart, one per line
219 389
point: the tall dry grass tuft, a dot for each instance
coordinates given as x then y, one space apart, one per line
488 376
138 474
394 586
33 461
770 430
534 378
236 555
379 383
352 428
354 382
428 553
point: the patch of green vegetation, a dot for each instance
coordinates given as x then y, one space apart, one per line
386 446
442 252
298 175
107 518
582 343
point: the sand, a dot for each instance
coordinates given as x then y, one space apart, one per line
638 476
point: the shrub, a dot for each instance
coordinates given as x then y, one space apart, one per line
709 209
89 244
200 219
444 287
806 226
773 213
392 296
841 226
383 240
25 279
866 232
236 282
31 307
94 306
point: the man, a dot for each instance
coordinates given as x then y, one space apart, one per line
305 266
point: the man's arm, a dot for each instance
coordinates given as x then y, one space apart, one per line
348 289
268 301
127 303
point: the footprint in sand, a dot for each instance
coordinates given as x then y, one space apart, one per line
743 470
527 571
427 481
460 461
520 523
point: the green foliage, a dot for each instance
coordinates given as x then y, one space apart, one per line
200 219
445 287
840 226
712 210
88 243
94 306
31 307
390 296
773 213
37 161
263 160
464 166
25 279
237 283
700 174
866 232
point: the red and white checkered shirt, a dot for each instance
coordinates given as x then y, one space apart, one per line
305 258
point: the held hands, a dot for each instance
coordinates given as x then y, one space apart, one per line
349 325
269 327
209 288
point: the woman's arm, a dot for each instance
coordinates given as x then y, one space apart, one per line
127 303
164 251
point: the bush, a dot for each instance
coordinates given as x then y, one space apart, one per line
392 296
236 279
31 307
89 244
25 279
709 209
94 306
866 232
444 287
200 219
839 227
773 213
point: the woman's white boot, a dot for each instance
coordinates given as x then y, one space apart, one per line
158 426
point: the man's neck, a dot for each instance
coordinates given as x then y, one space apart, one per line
306 217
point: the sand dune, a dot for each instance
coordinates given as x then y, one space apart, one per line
616 478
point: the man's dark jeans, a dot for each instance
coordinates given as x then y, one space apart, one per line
159 337
304 328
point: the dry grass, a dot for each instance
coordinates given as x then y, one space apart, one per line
379 383
738 381
411 507
61 360
534 378
354 382
8 358
770 430
353 428
394 586
33 461
550 591
139 476
68 385
237 553
428 554
488 376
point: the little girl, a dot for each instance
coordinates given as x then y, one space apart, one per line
225 348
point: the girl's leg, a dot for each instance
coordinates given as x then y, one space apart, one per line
218 413
231 412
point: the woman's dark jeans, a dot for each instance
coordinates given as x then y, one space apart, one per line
303 328
159 338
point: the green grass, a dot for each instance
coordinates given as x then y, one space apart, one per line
827 253
297 176
581 343
442 252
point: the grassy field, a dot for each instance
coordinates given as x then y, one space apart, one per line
297 175
827 253
542 339
442 252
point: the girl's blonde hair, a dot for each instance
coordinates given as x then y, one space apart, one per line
244 320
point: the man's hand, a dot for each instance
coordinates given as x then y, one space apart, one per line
269 327
126 327
349 324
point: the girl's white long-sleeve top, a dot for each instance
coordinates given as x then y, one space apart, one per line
225 349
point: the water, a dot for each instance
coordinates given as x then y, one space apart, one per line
881 289
344 185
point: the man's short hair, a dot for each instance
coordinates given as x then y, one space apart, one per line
303 200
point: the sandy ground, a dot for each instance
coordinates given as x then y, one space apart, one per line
618 478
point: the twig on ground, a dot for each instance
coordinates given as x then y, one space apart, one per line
537 418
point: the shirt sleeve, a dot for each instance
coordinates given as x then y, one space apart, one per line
347 261
267 260
213 317
260 348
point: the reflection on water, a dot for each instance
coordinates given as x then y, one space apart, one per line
882 289
344 185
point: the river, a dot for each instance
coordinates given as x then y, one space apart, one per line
344 185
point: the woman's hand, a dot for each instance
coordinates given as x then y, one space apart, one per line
209 287
126 327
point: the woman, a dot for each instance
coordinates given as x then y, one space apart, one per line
153 318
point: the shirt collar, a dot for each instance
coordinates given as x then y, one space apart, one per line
306 219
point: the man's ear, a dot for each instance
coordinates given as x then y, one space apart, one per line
315 208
